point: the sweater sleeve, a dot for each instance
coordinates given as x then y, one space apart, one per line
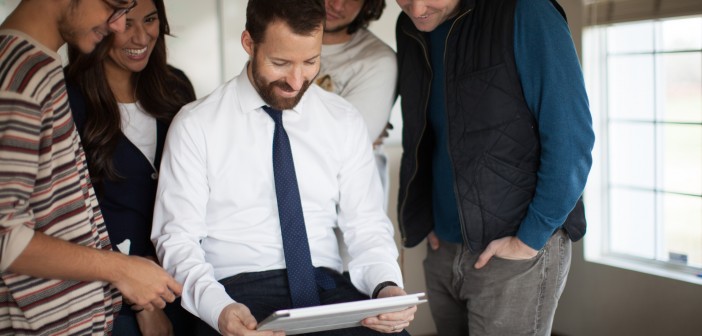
20 139
554 90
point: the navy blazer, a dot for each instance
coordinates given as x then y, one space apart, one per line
127 204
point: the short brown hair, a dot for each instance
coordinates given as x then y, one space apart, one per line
302 16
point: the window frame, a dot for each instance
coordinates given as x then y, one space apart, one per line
597 192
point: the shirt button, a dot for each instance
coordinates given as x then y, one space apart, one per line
154 176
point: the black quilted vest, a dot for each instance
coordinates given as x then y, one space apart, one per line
493 137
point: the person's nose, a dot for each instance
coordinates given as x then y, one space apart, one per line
296 78
336 5
416 8
140 37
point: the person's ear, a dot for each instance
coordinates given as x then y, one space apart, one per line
247 42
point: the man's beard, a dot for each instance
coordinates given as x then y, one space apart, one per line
267 90
67 32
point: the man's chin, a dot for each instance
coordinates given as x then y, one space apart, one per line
284 103
87 49
84 47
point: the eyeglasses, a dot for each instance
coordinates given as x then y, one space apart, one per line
120 11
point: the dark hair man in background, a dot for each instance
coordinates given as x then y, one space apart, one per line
360 67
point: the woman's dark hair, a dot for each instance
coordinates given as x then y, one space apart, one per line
302 16
371 11
158 90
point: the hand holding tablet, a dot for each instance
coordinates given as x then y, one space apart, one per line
336 316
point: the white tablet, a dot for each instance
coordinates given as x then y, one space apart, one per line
336 316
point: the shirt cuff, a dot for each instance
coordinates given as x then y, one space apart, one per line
366 279
14 244
213 302
536 230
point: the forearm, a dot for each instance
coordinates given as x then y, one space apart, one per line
53 258
139 280
367 231
554 90
203 295
178 226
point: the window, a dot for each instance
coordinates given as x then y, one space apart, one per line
645 190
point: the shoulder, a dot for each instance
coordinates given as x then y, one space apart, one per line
334 112
370 41
370 49
331 102
547 11
26 66
209 106
328 99
339 120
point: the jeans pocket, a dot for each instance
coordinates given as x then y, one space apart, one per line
537 256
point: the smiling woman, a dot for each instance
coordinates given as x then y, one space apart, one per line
123 96
130 51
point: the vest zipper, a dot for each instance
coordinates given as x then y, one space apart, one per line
448 137
416 149
424 128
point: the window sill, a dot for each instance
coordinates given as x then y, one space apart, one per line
661 269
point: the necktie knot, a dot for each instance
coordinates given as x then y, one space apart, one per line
275 114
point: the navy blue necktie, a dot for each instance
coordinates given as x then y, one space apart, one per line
301 273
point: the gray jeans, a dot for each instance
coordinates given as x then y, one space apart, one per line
506 297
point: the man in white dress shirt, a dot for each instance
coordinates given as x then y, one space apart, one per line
216 225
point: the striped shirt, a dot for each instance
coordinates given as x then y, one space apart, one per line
44 186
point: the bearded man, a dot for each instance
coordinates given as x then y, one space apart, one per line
249 233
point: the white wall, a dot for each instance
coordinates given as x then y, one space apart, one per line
6 7
195 44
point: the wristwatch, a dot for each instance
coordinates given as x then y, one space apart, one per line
380 287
